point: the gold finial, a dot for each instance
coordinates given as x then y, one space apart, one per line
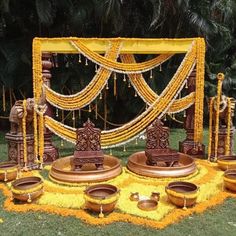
220 76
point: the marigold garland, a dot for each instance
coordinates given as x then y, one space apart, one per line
210 127
90 92
24 132
220 77
227 143
199 92
117 66
120 135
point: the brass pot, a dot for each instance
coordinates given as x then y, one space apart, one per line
27 189
134 196
8 171
230 179
226 162
182 194
101 197
148 204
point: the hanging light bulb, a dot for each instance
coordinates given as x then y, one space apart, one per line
160 68
96 68
110 152
100 96
107 86
73 115
136 141
151 75
135 94
90 108
86 61
124 79
57 114
79 58
184 113
79 114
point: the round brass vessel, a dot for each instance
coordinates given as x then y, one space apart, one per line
62 171
148 205
137 164
230 179
182 194
226 162
8 171
101 197
27 189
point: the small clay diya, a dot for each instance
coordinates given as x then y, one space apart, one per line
182 194
148 205
101 197
27 189
8 171
230 179
226 162
134 196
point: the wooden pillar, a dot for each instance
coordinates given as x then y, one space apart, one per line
188 146
50 151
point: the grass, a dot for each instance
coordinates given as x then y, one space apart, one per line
220 220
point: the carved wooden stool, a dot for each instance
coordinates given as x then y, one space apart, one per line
88 148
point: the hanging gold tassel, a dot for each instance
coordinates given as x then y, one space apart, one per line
129 85
186 84
124 79
3 98
57 114
115 89
124 149
73 118
107 86
151 76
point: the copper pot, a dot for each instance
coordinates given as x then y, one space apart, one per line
230 179
182 194
226 162
27 189
8 171
101 197
148 204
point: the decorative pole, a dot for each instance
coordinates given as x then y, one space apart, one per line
50 152
188 146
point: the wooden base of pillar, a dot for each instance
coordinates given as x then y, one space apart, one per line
189 147
222 136
50 151
16 148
